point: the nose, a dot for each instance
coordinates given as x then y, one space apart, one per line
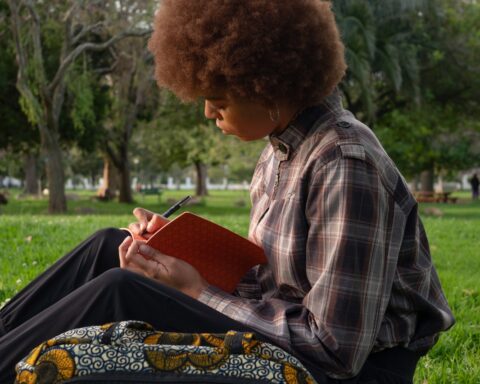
210 111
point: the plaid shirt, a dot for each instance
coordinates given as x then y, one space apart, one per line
349 269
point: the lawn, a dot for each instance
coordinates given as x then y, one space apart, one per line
32 240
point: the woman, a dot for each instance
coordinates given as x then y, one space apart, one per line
350 288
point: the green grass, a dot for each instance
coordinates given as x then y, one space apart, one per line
31 240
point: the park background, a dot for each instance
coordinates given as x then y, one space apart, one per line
85 136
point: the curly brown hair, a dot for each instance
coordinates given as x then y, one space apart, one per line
264 50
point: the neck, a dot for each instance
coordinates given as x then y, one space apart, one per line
288 114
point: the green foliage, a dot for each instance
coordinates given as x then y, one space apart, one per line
401 54
443 130
17 134
451 56
81 163
9 165
380 51
29 108
83 108
53 37
181 135
426 137
242 157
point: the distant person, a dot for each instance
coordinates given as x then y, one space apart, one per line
349 288
474 182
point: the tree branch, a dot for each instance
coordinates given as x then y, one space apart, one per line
22 61
2 22
111 68
113 156
105 70
21 57
67 20
37 49
86 30
92 47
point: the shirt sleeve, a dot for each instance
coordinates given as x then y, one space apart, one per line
349 215
249 287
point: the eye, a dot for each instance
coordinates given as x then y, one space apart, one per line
217 103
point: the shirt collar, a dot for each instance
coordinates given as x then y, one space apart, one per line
286 142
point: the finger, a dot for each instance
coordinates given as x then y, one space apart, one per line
132 250
151 253
136 231
157 262
135 228
147 235
155 223
152 268
122 250
135 269
143 217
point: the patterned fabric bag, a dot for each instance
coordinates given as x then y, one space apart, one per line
133 352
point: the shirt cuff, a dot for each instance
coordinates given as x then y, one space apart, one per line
215 298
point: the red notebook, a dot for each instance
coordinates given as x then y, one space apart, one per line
221 256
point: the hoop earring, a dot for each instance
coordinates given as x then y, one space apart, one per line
274 115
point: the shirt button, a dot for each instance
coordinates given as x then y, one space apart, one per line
282 148
344 124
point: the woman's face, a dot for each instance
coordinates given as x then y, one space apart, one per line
242 118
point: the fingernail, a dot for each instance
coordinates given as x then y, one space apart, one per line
143 248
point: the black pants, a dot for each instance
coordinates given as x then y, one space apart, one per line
86 287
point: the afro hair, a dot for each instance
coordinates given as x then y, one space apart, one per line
263 50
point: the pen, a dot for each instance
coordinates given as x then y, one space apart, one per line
176 206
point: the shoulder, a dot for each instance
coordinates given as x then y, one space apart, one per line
344 139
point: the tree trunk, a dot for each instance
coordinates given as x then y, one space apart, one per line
31 174
426 180
124 171
415 182
109 187
57 202
201 187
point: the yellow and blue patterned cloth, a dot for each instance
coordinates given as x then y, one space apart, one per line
134 350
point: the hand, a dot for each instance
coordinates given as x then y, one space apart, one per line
148 222
140 258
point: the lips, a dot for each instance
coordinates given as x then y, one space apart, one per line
217 122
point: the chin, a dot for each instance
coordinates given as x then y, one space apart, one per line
246 138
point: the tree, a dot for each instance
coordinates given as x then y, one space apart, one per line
125 72
381 54
425 141
18 135
413 67
450 55
242 157
132 82
441 134
84 164
43 92
179 134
